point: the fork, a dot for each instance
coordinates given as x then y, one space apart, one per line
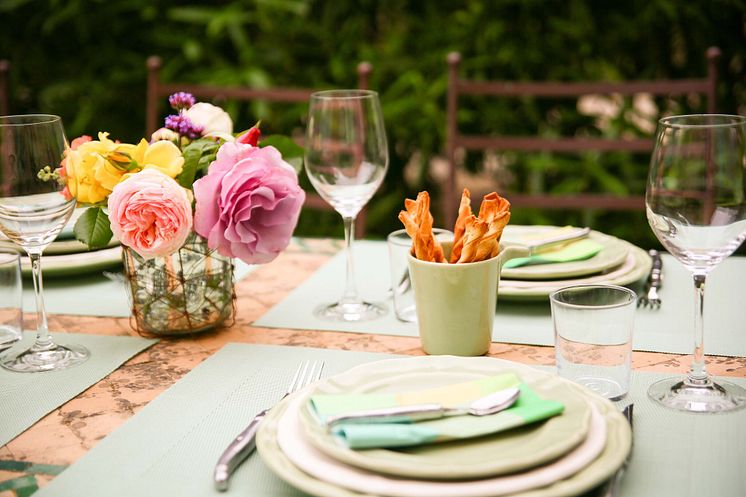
655 280
244 444
612 487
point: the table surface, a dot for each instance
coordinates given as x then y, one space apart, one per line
67 433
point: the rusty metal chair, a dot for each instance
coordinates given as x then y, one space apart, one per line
4 87
456 140
157 91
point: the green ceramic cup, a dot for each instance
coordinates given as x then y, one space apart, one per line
456 302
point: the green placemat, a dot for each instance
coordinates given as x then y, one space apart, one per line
93 295
669 329
170 447
27 397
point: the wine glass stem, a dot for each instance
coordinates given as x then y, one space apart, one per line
350 292
43 340
698 373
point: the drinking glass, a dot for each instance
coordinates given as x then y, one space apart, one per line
11 299
33 210
346 158
696 206
593 336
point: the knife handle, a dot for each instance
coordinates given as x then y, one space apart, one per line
560 239
236 453
656 276
404 414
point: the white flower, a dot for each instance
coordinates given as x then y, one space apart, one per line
164 134
214 120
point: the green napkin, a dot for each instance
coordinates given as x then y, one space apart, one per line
575 251
529 408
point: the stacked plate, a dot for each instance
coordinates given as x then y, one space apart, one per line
68 257
618 262
564 455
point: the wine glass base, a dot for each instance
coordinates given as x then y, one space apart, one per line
51 359
350 311
676 393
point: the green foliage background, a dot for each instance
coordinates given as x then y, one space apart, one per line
85 60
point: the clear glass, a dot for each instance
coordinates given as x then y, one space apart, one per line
593 336
11 299
696 206
400 245
346 158
33 211
189 291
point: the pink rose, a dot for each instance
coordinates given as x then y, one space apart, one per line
150 213
248 204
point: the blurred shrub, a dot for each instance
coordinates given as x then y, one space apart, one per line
85 60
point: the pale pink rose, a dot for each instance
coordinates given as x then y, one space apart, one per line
248 204
150 213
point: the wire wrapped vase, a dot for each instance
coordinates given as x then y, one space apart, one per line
189 291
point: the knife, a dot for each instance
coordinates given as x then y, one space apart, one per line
560 239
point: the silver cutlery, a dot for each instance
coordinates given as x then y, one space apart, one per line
489 404
611 489
244 444
561 239
655 280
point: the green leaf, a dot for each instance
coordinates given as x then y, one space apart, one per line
197 156
291 152
93 228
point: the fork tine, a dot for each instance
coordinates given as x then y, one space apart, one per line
321 370
314 373
299 373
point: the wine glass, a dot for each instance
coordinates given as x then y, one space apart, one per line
346 157
696 205
33 210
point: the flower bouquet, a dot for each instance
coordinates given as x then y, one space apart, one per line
183 205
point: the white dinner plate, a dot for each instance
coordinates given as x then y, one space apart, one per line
292 440
436 369
489 455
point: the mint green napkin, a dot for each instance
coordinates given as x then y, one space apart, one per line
529 408
575 251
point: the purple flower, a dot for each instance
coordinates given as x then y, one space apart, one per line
184 126
181 100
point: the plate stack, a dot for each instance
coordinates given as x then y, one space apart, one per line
68 257
618 262
567 454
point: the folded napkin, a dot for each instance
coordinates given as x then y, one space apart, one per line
529 408
573 251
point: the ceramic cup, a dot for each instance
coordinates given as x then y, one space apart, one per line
456 302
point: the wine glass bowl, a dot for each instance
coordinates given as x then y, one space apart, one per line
33 211
346 158
696 206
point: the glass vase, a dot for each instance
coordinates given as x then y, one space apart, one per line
189 291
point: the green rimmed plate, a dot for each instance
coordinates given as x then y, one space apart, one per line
613 253
76 264
507 452
612 454
635 267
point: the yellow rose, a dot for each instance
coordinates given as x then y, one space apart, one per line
161 155
79 167
90 177
94 168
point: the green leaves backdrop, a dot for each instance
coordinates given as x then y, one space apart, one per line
85 60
